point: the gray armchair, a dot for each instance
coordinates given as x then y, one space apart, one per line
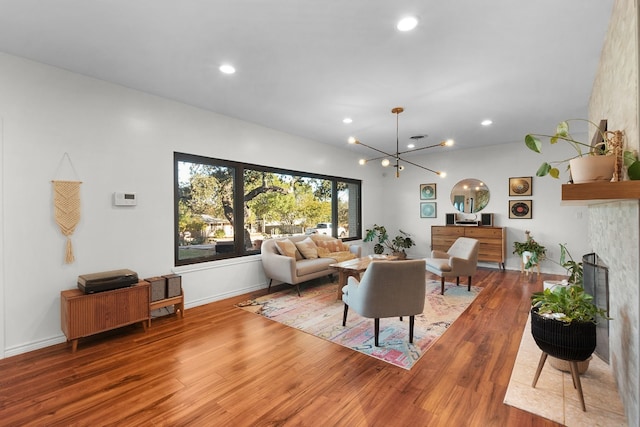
460 260
387 289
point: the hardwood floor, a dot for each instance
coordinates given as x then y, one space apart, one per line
221 365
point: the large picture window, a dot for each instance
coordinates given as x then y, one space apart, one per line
226 209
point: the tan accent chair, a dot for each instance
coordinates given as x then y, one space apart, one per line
460 260
387 289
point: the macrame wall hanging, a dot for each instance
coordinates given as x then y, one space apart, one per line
66 204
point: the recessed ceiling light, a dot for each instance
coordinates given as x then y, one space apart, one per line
486 122
227 69
347 120
407 24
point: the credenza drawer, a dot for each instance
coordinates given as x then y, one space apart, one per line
447 231
484 233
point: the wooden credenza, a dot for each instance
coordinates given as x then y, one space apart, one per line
493 240
87 314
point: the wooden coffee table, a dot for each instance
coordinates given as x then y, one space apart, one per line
355 267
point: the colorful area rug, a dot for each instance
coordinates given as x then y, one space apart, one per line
318 313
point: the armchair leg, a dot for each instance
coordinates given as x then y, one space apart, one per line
298 289
458 281
411 323
469 287
344 316
442 285
376 330
269 288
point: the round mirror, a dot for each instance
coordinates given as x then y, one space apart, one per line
470 196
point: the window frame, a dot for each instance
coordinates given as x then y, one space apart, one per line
238 202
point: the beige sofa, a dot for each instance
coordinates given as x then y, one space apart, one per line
293 267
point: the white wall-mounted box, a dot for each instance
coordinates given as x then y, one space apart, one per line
125 199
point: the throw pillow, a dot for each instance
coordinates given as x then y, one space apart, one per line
323 252
286 248
333 245
308 248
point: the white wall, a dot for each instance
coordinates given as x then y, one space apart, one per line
118 140
552 222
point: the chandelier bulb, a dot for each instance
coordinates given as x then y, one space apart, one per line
362 162
385 162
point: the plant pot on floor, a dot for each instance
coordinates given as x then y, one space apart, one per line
591 168
566 341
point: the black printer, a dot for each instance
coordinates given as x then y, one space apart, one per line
106 280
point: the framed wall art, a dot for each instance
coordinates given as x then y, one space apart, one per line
427 191
520 186
428 210
520 209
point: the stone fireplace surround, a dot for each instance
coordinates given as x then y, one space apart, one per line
614 232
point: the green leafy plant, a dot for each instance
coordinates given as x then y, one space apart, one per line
533 142
398 244
537 251
630 160
567 304
574 268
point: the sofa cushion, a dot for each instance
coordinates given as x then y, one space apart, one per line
341 256
322 252
287 248
310 266
307 248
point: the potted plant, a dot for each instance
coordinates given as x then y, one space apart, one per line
397 245
563 318
531 251
595 162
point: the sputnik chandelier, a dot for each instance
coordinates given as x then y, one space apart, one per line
385 156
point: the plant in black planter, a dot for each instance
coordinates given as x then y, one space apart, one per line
563 325
397 245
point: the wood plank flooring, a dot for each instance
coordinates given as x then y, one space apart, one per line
221 365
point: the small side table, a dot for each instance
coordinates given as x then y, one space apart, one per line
528 270
177 302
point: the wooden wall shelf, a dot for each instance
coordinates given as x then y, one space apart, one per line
601 192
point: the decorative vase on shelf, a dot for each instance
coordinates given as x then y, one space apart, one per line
591 169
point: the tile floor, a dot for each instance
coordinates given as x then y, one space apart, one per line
554 396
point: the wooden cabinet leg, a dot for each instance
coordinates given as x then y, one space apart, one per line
74 345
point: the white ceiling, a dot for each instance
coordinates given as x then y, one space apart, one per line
302 65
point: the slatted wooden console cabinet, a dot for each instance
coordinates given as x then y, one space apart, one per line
83 314
493 240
